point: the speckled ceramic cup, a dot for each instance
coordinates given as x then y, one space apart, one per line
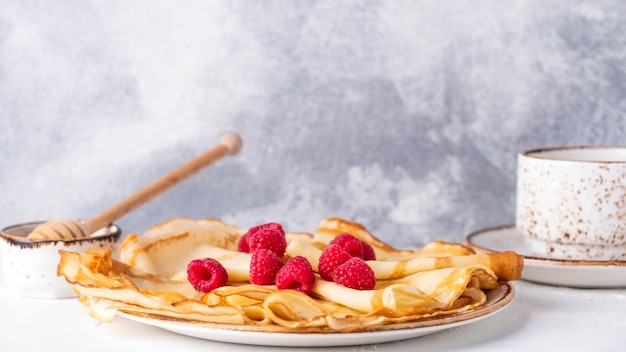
29 268
571 202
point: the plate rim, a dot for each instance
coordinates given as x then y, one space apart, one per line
498 299
534 258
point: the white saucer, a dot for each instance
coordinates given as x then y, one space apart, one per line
572 273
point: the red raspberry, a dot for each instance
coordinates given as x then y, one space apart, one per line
350 244
354 246
368 252
297 275
268 226
276 243
206 274
356 274
264 265
268 239
331 257
243 245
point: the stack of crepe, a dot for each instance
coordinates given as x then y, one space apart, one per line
149 279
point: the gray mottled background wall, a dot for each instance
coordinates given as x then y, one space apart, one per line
405 116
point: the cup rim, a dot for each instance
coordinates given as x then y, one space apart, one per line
556 153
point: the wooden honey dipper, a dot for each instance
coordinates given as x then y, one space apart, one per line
230 144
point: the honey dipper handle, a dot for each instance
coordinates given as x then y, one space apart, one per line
230 144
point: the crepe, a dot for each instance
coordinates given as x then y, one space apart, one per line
149 278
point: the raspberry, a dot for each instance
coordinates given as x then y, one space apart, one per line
350 244
275 243
243 245
268 226
206 274
331 257
368 252
356 274
297 275
268 239
354 246
264 265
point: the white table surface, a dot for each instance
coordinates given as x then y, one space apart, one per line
541 318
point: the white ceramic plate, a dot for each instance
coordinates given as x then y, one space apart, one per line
572 273
497 300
